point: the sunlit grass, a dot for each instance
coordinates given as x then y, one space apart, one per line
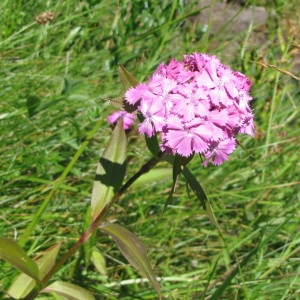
71 66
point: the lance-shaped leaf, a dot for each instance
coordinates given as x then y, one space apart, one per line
133 250
128 81
67 86
117 103
99 261
33 103
127 78
153 144
178 162
179 165
110 170
47 260
69 291
201 195
23 284
11 252
154 175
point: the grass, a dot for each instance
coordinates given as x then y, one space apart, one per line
69 68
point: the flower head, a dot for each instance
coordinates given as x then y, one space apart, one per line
197 104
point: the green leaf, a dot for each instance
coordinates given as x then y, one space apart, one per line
110 170
67 86
69 291
47 260
133 250
179 162
154 175
67 42
201 195
11 252
99 261
127 78
117 103
23 284
33 103
128 81
152 144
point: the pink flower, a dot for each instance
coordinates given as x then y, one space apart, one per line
198 105
218 152
189 102
186 138
153 121
128 119
133 95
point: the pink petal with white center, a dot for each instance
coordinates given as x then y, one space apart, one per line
180 142
218 97
167 85
204 80
218 152
154 84
242 99
153 121
188 138
147 127
133 95
219 117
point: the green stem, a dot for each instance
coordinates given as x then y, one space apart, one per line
86 235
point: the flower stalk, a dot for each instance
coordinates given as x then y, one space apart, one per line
95 224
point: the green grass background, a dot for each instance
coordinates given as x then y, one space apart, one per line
70 67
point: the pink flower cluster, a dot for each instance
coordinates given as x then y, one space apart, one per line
197 104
